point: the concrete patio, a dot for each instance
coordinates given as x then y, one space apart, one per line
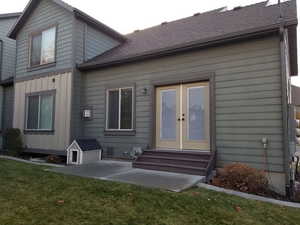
120 171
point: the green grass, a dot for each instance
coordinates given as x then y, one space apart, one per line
30 196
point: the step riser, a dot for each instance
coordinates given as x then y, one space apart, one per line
170 169
179 155
177 162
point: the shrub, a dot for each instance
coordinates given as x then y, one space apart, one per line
240 177
13 141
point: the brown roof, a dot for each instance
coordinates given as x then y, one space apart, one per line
197 29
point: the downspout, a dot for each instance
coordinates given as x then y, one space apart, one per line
1 58
285 120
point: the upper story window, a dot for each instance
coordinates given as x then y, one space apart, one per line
119 109
43 47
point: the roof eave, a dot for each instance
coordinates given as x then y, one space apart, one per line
10 15
186 47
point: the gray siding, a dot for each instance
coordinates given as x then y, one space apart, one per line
46 14
97 43
9 49
247 90
89 43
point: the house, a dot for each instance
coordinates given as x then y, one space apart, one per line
7 71
213 87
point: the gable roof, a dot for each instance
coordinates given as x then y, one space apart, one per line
77 13
88 144
196 31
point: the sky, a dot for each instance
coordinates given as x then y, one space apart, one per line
128 16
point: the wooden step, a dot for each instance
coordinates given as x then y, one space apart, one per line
179 154
195 162
170 168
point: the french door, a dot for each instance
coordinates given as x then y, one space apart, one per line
182 117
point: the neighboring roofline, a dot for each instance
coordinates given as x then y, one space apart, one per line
10 15
76 12
98 25
7 82
251 33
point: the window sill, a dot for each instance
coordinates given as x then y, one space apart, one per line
40 67
37 132
119 132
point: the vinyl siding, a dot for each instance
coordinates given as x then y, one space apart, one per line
247 92
89 43
47 13
8 55
62 85
97 43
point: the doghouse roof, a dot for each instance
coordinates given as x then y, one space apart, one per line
88 144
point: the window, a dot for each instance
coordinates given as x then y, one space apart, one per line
43 47
119 111
40 108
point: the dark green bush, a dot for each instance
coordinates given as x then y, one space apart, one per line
13 141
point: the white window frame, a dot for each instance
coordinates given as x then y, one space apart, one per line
39 112
41 33
107 106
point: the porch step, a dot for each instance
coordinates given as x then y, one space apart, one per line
174 160
189 162
179 154
170 168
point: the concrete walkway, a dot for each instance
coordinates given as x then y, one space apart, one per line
119 171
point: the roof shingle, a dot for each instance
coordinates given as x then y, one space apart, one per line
198 28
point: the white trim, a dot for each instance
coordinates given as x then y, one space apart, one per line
180 116
119 112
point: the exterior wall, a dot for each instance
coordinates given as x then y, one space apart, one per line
46 14
8 56
97 43
247 91
89 42
91 156
8 109
59 140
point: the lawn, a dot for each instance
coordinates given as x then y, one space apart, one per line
31 196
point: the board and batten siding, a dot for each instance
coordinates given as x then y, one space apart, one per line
59 140
46 14
8 107
8 55
247 92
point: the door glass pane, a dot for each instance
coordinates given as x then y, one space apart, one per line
36 43
168 115
46 114
196 112
32 112
126 108
113 109
48 46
